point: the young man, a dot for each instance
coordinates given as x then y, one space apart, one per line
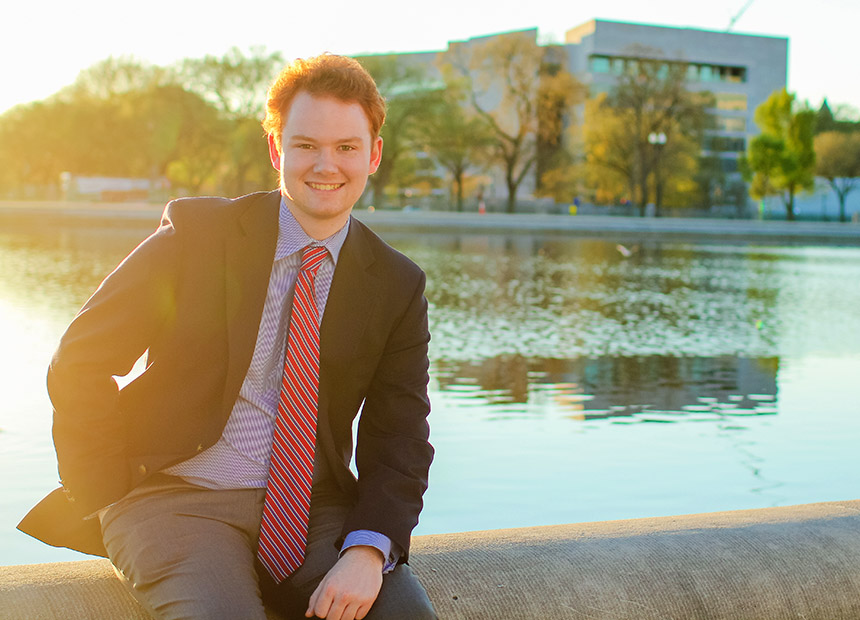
220 433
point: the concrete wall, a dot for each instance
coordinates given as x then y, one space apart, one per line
773 563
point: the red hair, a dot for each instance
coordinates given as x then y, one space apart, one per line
325 75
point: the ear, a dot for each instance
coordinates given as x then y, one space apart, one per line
376 155
274 153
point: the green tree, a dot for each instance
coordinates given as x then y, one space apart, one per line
456 139
236 84
843 118
409 95
523 94
781 160
838 160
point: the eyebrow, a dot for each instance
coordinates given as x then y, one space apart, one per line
302 138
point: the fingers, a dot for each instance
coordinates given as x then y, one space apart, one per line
328 603
349 589
315 602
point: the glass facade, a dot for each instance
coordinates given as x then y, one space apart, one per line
696 72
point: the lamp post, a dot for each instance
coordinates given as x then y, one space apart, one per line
658 141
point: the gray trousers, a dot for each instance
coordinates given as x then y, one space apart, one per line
189 552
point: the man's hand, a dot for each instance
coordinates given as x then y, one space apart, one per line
350 587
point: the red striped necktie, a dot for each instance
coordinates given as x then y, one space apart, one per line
284 529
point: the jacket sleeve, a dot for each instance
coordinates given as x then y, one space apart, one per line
110 333
393 453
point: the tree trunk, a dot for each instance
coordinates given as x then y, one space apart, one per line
512 196
643 187
789 207
458 182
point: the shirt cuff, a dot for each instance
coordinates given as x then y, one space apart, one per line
390 551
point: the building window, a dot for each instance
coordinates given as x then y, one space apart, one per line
731 124
734 74
717 73
599 64
725 144
731 102
728 166
619 65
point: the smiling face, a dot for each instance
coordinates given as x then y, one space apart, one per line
326 155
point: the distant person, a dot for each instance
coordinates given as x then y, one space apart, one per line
268 321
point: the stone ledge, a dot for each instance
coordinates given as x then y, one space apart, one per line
773 563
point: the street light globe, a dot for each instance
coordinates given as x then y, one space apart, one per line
657 138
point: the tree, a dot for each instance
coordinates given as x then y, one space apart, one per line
843 119
29 163
237 84
454 138
114 76
119 118
610 156
408 95
647 132
523 94
781 160
824 120
838 160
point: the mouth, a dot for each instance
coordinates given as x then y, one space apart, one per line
325 187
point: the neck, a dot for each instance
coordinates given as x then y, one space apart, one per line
317 228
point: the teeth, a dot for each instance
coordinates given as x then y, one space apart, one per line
325 186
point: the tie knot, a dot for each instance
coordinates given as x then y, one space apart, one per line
312 258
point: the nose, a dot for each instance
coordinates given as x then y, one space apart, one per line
325 162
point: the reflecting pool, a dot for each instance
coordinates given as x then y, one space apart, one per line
572 379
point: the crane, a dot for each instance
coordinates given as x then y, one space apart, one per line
738 15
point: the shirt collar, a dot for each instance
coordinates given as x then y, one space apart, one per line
292 238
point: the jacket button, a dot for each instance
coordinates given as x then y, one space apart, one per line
142 470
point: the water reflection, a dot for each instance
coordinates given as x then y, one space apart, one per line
563 298
49 268
643 389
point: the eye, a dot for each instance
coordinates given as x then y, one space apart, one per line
304 146
346 147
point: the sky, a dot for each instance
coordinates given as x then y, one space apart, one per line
45 44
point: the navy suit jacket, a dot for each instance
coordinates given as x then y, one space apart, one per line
191 297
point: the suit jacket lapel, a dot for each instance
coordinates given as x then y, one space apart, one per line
250 252
351 298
